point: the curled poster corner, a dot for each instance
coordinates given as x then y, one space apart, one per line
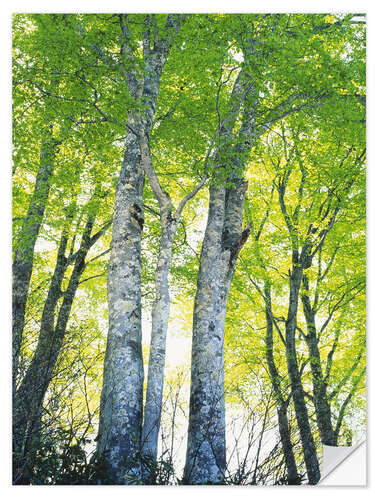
344 465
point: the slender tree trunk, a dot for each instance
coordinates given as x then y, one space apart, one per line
308 445
30 395
321 403
169 219
287 445
24 253
160 316
282 404
25 407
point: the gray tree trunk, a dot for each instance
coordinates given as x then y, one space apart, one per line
30 395
223 239
160 310
282 403
205 458
122 394
160 317
308 444
121 409
321 403
24 253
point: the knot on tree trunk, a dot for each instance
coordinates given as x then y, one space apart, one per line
236 248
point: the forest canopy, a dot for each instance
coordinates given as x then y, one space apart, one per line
189 230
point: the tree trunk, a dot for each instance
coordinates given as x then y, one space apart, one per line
160 316
30 395
26 400
169 219
24 253
308 445
321 403
121 408
122 394
282 404
205 458
223 239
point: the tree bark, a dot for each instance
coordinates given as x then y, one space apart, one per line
321 403
205 458
160 317
308 444
26 401
30 395
301 259
282 403
122 393
24 252
120 428
223 239
169 219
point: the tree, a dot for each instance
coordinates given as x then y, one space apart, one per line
122 395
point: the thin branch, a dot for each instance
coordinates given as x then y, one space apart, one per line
91 278
98 256
345 379
347 401
190 195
